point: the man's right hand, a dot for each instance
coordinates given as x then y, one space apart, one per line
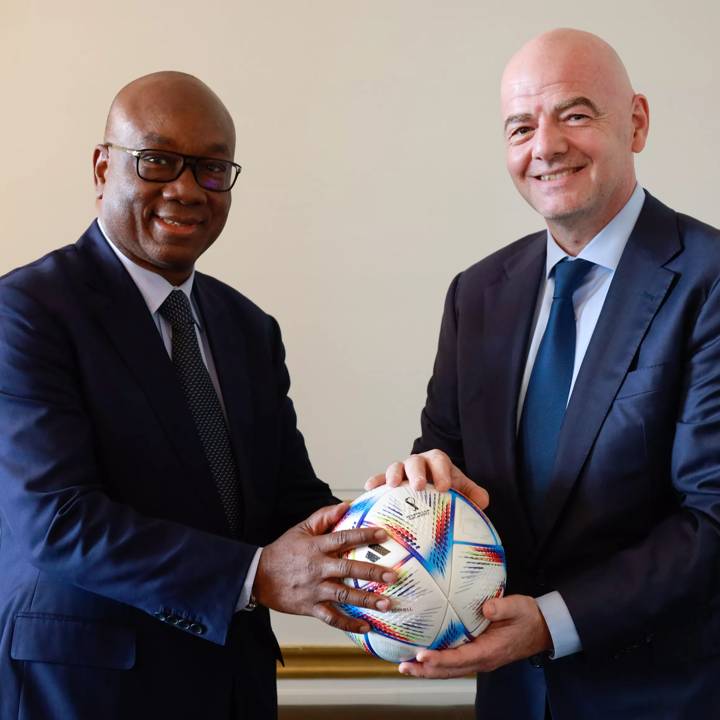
302 571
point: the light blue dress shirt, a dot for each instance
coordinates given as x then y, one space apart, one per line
155 289
605 250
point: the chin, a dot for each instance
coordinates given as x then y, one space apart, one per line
566 210
171 262
562 214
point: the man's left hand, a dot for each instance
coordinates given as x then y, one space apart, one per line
517 631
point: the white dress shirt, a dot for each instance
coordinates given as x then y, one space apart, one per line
604 250
155 289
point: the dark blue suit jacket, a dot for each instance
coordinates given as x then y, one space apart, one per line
631 532
118 575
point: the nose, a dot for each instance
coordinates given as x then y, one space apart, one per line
549 141
184 189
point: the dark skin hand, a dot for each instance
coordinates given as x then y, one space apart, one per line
302 571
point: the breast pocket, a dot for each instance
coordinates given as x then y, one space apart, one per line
645 380
66 640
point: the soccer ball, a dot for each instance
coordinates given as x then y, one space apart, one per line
449 561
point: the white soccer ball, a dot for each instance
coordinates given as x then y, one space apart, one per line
449 561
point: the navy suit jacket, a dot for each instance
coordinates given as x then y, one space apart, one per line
118 574
631 526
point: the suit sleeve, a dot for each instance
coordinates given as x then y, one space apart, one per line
439 421
52 497
671 575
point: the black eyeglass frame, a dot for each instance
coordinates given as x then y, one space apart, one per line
190 161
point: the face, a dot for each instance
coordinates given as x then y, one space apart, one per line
570 135
164 227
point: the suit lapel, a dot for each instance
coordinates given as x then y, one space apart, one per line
509 308
124 316
637 290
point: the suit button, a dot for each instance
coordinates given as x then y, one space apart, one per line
197 628
173 619
182 624
537 661
161 616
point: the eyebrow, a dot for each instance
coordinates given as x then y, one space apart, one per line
562 107
520 118
580 100
155 139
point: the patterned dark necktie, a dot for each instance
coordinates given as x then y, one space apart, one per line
547 392
203 402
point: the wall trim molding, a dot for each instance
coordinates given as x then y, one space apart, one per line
331 661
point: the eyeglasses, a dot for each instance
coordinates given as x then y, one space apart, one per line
163 166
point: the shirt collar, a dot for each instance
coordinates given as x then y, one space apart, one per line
607 246
153 287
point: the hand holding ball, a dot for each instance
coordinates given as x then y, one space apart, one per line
449 561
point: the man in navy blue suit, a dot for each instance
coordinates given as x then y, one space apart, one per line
149 450
577 379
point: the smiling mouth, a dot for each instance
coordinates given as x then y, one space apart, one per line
174 227
557 175
178 226
179 222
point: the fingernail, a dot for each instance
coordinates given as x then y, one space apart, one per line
403 669
389 577
381 535
382 604
365 629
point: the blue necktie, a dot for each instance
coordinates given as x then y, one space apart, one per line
547 392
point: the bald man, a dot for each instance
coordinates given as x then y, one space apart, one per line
578 380
149 450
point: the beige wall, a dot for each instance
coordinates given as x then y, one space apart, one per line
373 166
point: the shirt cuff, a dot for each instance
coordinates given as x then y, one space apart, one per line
246 592
563 632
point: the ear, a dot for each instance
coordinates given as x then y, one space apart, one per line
641 122
100 166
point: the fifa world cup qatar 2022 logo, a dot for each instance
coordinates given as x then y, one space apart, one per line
416 511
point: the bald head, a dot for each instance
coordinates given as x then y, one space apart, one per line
572 122
562 54
169 93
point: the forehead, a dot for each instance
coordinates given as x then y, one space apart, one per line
184 128
535 100
540 83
